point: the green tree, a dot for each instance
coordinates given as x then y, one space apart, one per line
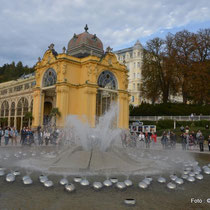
157 71
28 117
3 122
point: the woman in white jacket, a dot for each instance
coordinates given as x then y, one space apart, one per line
141 140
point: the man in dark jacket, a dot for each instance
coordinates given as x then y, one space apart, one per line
23 135
209 142
201 141
1 134
184 140
173 140
164 140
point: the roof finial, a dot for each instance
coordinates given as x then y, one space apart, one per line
86 27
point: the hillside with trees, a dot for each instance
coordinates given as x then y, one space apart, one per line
13 71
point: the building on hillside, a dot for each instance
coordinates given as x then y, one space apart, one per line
132 58
82 80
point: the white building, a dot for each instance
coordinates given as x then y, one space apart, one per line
132 58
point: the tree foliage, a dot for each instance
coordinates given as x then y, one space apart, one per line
178 65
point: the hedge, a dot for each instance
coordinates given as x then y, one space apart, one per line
169 109
169 124
165 125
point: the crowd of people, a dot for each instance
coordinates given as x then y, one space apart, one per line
190 140
27 136
51 135
139 139
168 140
8 133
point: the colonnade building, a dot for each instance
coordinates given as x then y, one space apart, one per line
16 99
83 80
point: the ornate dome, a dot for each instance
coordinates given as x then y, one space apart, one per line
85 44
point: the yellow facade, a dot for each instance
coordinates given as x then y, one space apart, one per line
76 88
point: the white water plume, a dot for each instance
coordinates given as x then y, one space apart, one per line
100 137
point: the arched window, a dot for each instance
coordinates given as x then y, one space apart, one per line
107 80
107 92
49 78
22 106
13 109
19 108
5 109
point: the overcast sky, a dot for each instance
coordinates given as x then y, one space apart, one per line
28 27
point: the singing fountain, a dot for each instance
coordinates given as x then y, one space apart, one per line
93 151
95 157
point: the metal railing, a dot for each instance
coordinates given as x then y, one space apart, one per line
175 118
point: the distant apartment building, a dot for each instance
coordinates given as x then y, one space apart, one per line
132 58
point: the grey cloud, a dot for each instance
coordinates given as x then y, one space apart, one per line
28 27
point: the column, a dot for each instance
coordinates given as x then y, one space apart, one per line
21 118
91 105
41 108
62 103
9 115
123 119
15 116
38 107
120 114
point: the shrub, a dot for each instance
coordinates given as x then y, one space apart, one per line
165 124
202 123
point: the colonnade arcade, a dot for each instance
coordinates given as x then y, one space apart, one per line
13 110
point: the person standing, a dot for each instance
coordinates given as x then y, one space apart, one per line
173 140
187 140
194 138
198 134
41 137
191 141
154 138
6 136
22 135
147 139
164 140
31 137
184 141
133 139
141 140
27 136
15 136
1 134
209 142
187 129
201 141
46 137
39 132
